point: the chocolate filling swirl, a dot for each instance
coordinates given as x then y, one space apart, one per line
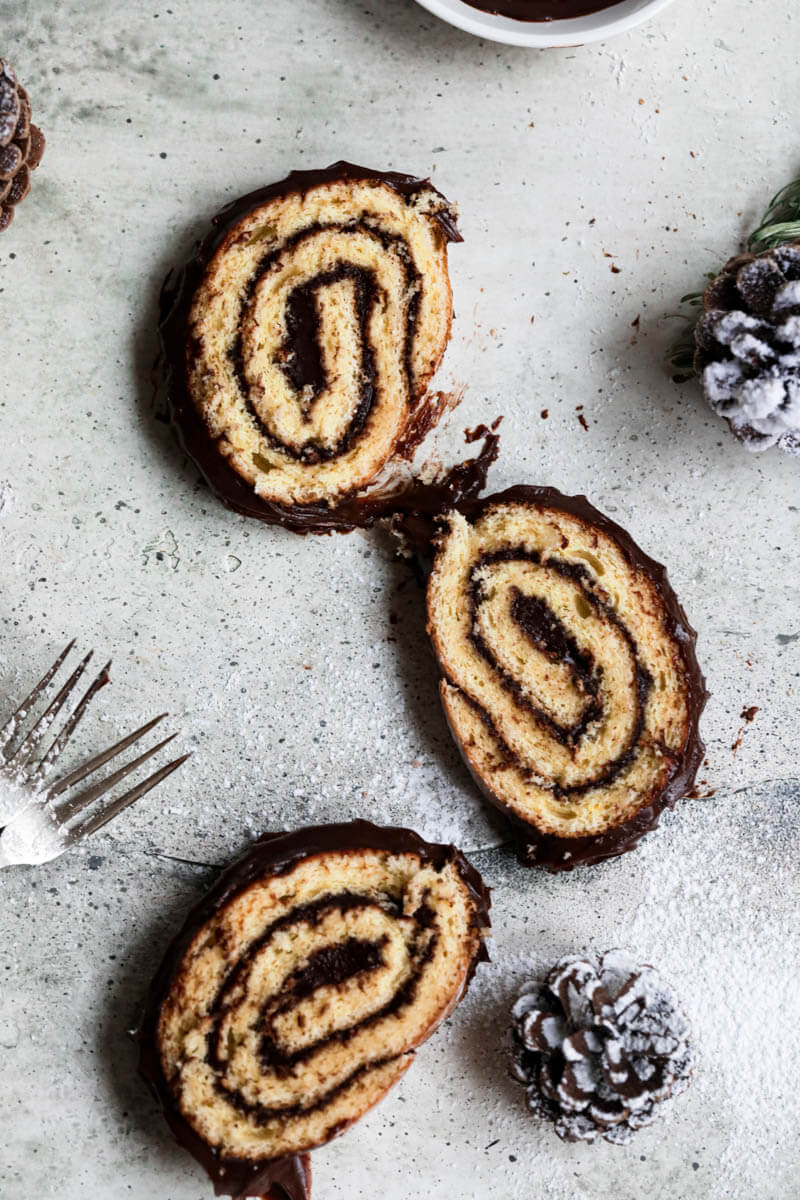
551 638
299 353
356 960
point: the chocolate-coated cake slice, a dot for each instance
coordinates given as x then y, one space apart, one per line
303 336
570 678
299 989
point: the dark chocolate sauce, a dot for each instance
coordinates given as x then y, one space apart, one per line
564 853
540 10
276 854
177 295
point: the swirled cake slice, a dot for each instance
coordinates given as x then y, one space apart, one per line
304 336
570 679
299 990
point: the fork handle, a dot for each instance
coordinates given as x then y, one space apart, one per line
32 838
13 799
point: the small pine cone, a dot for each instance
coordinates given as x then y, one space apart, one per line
601 1047
21 144
748 347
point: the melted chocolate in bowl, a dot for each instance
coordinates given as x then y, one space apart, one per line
540 10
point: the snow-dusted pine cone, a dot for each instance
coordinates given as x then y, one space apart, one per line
601 1047
21 144
748 347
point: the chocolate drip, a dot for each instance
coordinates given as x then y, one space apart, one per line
420 510
277 854
284 1179
540 10
358 511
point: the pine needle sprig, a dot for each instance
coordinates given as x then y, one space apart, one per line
780 223
680 355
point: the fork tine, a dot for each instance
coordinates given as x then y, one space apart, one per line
68 808
27 748
117 806
12 724
99 760
44 767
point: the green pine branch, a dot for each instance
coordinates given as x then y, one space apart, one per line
780 223
680 355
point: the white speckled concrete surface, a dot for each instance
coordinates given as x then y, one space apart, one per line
297 669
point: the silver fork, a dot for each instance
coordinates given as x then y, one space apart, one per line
42 821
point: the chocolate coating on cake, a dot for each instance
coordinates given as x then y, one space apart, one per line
304 368
418 511
277 855
536 624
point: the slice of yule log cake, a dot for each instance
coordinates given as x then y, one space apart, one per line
570 680
298 990
301 338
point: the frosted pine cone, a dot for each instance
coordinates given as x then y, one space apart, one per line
601 1047
21 144
748 348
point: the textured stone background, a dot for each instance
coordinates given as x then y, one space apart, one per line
297 669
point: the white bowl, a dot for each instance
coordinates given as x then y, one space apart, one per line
575 31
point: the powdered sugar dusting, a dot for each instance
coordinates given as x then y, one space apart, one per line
711 918
705 900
